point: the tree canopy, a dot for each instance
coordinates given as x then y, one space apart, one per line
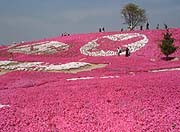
133 15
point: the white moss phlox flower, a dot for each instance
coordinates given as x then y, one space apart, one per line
87 48
40 66
39 48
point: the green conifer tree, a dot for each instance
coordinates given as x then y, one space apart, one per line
167 44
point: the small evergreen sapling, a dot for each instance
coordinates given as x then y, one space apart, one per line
167 44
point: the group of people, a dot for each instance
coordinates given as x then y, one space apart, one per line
102 29
147 26
120 50
157 27
65 34
165 26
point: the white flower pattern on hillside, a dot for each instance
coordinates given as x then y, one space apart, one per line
40 48
87 48
3 106
40 66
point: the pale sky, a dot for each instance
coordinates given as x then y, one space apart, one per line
26 20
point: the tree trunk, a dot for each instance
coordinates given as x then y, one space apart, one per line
167 57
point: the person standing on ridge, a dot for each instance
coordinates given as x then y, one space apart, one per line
103 29
100 30
165 26
141 27
157 26
147 26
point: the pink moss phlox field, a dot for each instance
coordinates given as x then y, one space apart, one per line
125 95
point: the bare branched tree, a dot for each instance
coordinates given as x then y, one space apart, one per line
134 15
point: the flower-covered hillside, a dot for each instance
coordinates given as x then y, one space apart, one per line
80 83
98 48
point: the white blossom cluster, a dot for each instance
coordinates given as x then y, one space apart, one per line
120 37
2 106
40 66
4 63
67 66
40 48
92 46
14 65
138 44
88 48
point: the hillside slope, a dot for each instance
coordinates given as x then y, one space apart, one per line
79 83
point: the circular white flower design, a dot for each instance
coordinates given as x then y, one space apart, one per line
87 48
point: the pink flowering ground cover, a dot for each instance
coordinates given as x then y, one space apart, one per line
123 96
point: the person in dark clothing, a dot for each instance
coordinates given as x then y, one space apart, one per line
103 29
165 26
141 27
157 26
119 51
100 30
147 25
127 52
